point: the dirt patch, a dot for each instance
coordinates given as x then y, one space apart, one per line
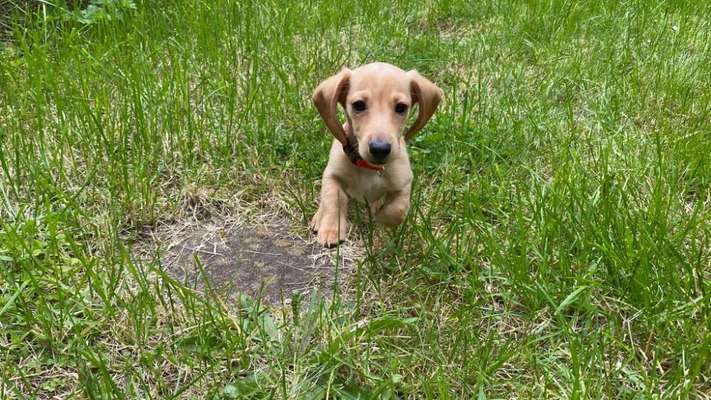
264 261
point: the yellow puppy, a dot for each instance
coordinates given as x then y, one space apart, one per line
368 159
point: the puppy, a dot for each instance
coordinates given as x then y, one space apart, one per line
368 160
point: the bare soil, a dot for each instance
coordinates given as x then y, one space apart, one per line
265 262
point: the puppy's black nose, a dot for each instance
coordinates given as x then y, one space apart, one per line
379 149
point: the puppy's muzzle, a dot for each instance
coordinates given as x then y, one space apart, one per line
379 149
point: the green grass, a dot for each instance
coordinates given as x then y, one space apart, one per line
559 244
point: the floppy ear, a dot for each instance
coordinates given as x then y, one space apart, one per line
427 96
326 97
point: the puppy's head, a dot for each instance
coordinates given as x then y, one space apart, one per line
377 99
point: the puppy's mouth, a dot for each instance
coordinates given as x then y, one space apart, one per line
350 148
377 162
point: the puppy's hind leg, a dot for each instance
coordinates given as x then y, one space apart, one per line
330 220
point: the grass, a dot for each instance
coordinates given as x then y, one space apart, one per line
559 239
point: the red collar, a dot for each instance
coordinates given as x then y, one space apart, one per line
361 163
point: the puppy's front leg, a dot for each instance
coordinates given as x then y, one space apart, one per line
330 219
394 209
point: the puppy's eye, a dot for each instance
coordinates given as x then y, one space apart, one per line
359 106
401 108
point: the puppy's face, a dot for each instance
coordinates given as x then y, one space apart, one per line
377 104
376 98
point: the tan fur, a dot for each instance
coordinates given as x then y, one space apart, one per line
381 86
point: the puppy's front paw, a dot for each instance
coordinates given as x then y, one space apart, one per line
330 231
315 222
391 215
329 237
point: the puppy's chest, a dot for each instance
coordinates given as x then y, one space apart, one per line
368 186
